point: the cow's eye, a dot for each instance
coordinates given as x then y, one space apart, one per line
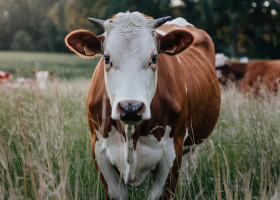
154 59
107 59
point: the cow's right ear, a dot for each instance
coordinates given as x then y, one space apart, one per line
84 43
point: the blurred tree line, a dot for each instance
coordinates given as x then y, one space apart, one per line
237 27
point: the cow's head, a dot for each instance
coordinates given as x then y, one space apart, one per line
130 48
228 71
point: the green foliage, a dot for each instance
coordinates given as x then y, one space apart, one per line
22 41
237 27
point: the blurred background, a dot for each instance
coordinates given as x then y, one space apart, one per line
238 27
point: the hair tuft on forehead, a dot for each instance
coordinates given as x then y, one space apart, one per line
129 21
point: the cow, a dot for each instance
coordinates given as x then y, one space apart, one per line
154 92
250 76
4 76
42 78
261 75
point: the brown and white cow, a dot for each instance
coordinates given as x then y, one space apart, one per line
153 92
43 78
252 76
229 71
4 76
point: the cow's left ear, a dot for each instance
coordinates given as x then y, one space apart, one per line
84 43
175 41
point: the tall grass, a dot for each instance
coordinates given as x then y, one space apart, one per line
45 144
45 148
241 158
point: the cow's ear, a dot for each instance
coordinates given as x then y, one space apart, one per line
84 43
175 41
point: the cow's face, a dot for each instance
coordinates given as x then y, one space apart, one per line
130 48
222 67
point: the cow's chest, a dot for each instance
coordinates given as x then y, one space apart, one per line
134 164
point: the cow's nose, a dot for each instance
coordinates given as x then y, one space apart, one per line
131 112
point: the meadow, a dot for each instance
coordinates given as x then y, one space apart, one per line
64 66
45 141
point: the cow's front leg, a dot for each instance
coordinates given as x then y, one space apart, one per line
171 182
163 169
113 185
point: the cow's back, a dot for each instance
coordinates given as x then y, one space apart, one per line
261 74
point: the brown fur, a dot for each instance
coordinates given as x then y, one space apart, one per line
252 76
261 74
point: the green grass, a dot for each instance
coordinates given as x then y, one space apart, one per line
45 146
240 160
68 66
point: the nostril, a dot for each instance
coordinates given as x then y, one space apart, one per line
131 107
138 107
123 107
131 111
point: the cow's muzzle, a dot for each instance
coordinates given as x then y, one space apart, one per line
131 113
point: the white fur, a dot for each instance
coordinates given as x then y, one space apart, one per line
130 41
178 59
219 73
244 59
160 32
221 59
186 135
134 165
180 22
42 78
116 189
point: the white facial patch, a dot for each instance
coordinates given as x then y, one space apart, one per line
134 165
221 60
244 60
130 43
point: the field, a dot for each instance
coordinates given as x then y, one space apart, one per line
45 141
65 66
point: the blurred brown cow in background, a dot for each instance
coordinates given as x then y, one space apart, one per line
261 75
4 76
228 71
252 76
